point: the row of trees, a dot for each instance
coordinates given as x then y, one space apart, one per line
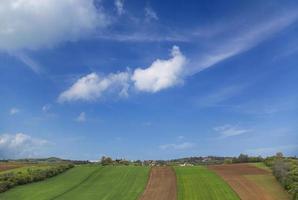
30 174
109 161
243 158
286 172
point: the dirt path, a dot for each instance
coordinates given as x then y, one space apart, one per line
161 185
235 174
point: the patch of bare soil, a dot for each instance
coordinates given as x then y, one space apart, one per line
161 185
235 174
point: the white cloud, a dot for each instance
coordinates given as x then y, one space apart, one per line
46 107
144 36
93 86
147 124
215 98
180 137
33 24
230 131
32 64
180 146
81 117
14 111
241 41
161 74
19 145
150 14
291 149
119 4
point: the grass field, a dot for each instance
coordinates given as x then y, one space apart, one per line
4 166
270 184
198 183
86 182
261 165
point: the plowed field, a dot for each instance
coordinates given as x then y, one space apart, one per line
161 185
241 177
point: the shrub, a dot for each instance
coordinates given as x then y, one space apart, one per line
21 176
286 172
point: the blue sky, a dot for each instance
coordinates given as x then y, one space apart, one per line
148 80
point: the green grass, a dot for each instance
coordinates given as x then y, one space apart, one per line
199 183
261 165
86 182
270 184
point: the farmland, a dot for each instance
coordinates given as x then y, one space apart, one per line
86 182
161 185
198 183
128 182
251 182
8 166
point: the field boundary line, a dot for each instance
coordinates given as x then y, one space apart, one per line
176 178
221 178
144 189
147 185
77 185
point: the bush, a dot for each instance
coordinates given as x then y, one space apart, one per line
20 177
286 172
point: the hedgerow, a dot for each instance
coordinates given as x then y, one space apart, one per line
22 176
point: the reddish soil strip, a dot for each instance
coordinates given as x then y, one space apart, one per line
235 174
4 167
161 185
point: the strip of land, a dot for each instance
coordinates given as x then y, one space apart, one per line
86 182
199 183
244 179
161 185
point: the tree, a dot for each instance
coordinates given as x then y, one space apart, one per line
138 162
243 158
294 190
279 155
106 160
280 171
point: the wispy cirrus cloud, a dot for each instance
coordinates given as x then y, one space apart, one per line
143 36
119 4
291 149
82 117
28 61
178 146
241 41
228 130
150 14
217 97
163 74
14 111
46 107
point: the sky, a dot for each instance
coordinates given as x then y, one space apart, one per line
148 79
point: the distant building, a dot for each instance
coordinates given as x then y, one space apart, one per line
185 164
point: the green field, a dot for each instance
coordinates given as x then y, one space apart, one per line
198 183
86 182
261 165
269 184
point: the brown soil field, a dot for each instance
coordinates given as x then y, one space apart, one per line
4 167
236 175
161 185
